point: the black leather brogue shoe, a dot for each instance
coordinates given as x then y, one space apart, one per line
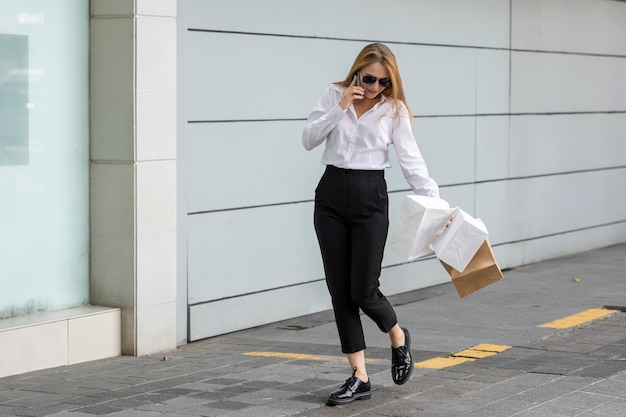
353 389
402 360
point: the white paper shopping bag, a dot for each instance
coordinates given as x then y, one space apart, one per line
420 218
459 240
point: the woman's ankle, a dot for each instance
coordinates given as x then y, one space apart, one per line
361 375
396 336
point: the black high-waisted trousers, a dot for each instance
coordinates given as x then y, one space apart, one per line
351 221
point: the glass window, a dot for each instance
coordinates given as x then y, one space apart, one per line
44 160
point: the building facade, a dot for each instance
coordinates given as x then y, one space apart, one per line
156 191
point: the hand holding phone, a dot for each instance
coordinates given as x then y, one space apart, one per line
350 94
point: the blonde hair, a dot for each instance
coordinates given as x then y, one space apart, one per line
379 52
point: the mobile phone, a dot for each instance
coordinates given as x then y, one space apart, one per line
358 78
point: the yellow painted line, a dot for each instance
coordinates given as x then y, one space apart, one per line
440 363
466 355
473 354
300 356
578 319
491 348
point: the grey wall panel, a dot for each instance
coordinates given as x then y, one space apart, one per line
536 207
439 80
228 315
557 83
448 147
492 147
245 77
492 81
449 22
525 252
237 252
583 26
234 165
543 144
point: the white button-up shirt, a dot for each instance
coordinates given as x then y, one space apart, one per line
363 143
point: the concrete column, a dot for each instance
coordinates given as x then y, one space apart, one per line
133 168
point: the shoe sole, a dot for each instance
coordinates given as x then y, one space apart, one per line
407 342
355 397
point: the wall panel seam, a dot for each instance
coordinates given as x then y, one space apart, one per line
407 190
563 232
297 284
555 52
333 38
391 42
423 116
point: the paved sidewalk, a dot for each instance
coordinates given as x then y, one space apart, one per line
288 368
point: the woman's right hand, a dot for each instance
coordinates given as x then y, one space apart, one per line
350 94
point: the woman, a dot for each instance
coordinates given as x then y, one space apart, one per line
358 119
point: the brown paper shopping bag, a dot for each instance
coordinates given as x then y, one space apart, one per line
480 272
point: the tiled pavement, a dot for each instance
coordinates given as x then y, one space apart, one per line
288 368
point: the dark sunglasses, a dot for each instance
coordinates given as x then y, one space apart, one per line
383 82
